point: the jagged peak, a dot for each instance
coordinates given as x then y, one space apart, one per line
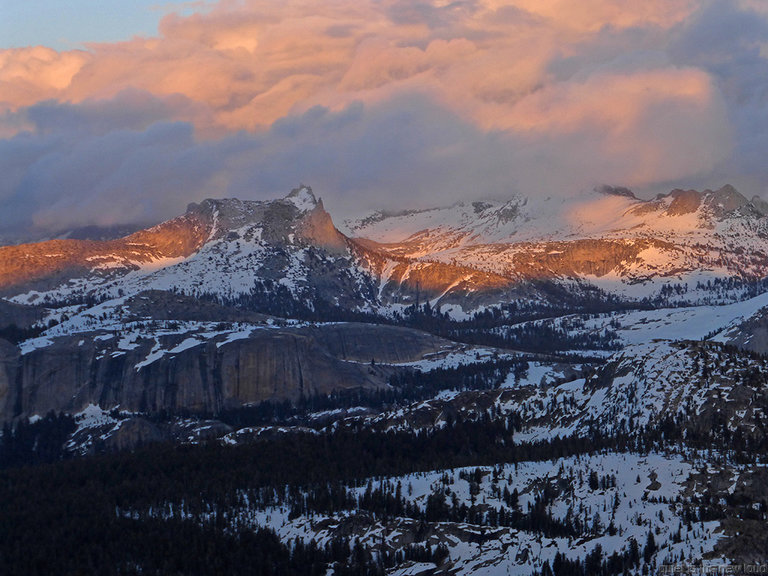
727 192
300 212
727 189
316 226
718 203
303 198
209 206
683 202
724 200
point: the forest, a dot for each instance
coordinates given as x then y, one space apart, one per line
69 509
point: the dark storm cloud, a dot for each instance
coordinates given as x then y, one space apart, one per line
77 178
729 42
130 110
404 152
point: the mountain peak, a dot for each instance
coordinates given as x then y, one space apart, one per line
683 202
317 227
303 198
725 200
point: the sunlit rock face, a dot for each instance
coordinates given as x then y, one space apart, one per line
684 202
465 256
582 257
46 264
316 227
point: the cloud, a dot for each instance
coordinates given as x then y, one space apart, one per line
402 152
594 15
128 110
729 41
29 75
252 63
388 101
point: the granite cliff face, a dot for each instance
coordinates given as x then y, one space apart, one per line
176 374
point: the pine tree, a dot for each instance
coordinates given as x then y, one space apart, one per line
650 547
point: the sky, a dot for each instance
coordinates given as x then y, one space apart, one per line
121 112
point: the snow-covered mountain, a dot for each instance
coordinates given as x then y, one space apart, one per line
230 250
607 237
685 247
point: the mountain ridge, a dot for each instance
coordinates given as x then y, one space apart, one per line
607 236
603 235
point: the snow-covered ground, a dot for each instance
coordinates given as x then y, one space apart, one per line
644 326
636 495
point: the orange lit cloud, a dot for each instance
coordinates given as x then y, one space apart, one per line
253 63
564 94
29 75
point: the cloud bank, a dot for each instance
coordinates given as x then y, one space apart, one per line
385 103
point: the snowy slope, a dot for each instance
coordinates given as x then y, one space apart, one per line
718 323
465 257
248 243
635 499
592 214
611 239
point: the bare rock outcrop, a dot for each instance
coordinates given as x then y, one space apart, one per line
683 202
579 257
317 228
272 364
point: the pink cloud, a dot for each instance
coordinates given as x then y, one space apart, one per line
252 63
569 94
29 75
